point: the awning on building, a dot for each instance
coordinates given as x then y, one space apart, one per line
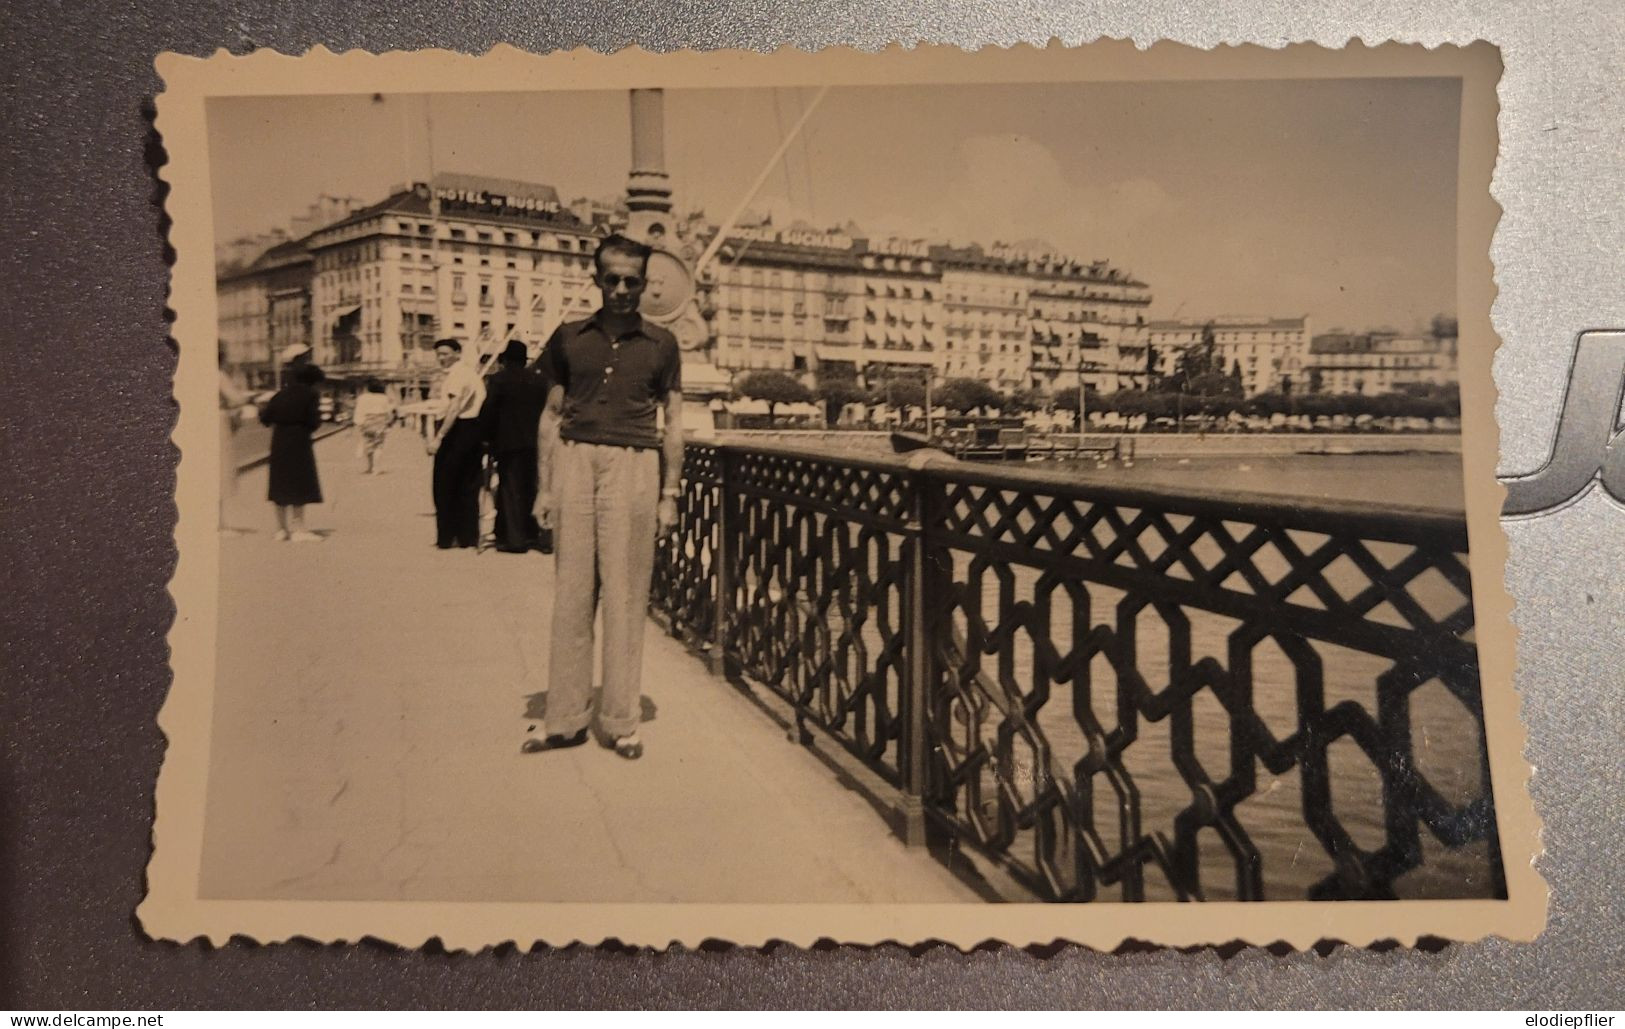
345 312
910 358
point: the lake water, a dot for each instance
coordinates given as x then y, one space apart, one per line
1412 480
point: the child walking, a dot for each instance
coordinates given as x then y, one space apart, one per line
374 414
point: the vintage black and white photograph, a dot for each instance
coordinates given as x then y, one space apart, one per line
935 491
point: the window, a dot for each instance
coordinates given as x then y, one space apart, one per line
458 234
508 237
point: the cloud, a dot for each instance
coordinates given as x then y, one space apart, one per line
1014 187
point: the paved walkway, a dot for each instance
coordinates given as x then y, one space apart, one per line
373 695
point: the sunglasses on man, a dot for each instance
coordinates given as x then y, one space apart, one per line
611 280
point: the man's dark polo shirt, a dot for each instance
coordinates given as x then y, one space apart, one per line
612 387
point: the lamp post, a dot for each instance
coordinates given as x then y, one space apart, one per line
1082 405
929 370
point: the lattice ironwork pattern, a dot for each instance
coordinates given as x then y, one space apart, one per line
1129 695
683 590
817 597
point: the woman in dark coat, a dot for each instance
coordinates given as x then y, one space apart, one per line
293 414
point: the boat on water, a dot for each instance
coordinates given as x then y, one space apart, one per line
986 439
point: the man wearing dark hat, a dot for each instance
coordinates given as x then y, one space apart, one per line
514 398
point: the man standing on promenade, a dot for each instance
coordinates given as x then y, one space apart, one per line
514 398
603 460
455 448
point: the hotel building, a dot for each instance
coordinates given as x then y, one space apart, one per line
1085 320
1270 353
264 307
1373 363
986 319
475 259
787 306
484 260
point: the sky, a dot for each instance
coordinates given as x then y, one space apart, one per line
1332 198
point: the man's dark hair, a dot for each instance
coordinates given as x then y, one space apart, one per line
619 244
449 342
375 385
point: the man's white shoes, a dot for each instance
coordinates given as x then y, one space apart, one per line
629 746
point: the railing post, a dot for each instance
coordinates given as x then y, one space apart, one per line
914 746
722 568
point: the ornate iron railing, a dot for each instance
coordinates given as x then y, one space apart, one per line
1110 689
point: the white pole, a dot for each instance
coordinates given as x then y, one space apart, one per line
784 145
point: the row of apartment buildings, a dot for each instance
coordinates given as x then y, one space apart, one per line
487 259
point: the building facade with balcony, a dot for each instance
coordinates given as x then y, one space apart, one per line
909 307
1270 355
786 306
470 258
1085 321
985 319
485 260
900 314
1374 363
263 307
